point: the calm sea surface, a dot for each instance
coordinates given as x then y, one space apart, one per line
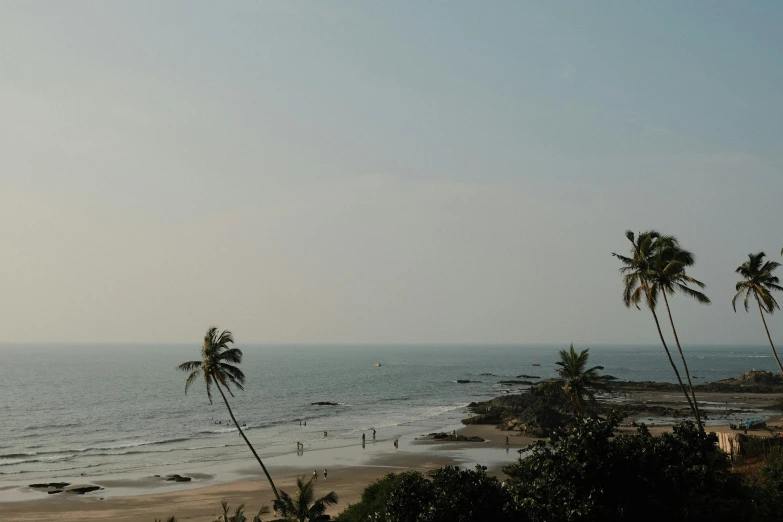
66 409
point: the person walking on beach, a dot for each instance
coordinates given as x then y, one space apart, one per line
324 434
315 476
396 443
506 439
373 434
362 438
324 473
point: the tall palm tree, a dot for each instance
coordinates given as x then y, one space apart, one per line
759 281
303 508
667 276
636 275
579 382
217 365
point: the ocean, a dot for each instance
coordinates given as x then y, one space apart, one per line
107 408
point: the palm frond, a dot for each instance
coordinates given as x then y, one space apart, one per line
737 296
189 366
191 378
695 294
232 355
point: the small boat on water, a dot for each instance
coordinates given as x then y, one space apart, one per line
377 364
535 364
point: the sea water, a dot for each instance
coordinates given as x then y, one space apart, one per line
101 409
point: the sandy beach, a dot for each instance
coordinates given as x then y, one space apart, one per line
350 470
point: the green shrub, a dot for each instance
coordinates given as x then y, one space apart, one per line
587 474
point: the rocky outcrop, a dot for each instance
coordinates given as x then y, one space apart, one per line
324 403
523 376
754 381
536 412
465 381
510 383
454 438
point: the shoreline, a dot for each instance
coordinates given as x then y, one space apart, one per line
137 495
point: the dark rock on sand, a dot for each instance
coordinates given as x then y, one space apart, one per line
81 490
178 478
52 492
55 485
324 403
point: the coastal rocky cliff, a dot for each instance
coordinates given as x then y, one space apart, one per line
543 407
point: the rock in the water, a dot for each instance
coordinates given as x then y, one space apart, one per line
509 383
465 381
523 376
52 492
324 403
489 375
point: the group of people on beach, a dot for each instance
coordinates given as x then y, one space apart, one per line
244 424
300 446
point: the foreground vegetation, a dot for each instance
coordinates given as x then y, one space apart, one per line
586 474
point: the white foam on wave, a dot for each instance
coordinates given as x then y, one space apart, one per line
48 459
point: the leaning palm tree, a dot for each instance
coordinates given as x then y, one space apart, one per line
666 277
636 274
758 281
579 382
217 365
303 508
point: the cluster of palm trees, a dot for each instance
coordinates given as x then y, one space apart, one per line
218 367
657 267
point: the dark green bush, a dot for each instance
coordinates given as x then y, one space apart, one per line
453 495
587 474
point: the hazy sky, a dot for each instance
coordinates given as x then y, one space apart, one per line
380 171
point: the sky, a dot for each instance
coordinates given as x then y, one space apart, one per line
380 172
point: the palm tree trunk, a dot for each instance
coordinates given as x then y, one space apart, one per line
274 489
671 361
768 336
684 364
